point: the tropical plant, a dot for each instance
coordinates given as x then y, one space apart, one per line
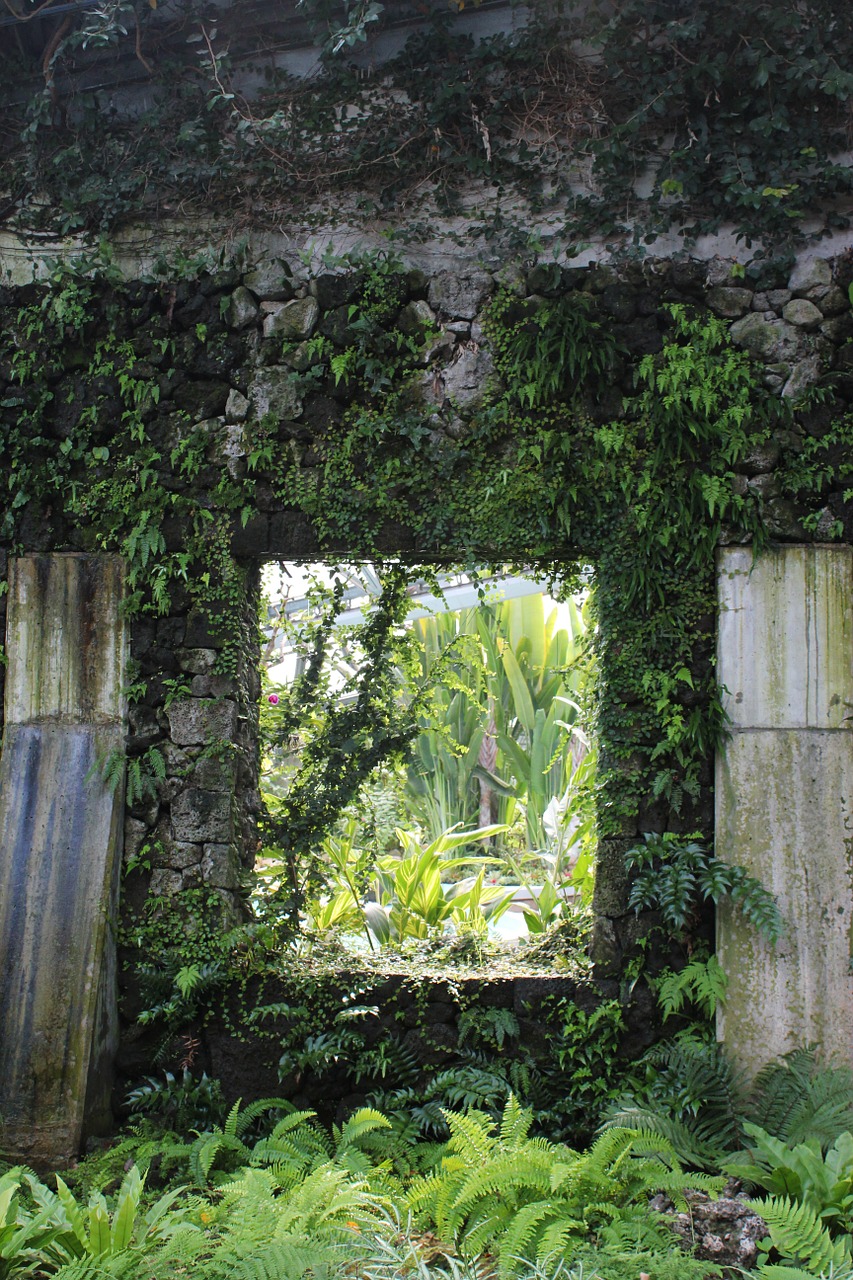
803 1173
61 1231
802 1240
798 1098
690 1092
497 740
675 874
414 903
528 1197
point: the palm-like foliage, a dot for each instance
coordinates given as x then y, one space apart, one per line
499 741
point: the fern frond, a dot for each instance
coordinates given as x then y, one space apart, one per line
515 1124
799 1234
796 1098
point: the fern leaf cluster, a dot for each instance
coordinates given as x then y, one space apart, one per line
527 1197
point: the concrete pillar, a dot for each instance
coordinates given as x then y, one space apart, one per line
784 796
60 851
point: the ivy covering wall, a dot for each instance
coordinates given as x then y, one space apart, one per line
204 421
597 121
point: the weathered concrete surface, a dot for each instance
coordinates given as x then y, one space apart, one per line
60 847
784 797
785 638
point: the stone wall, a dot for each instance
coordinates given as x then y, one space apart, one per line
435 1022
227 373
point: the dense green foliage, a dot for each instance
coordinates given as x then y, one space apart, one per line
269 1192
537 473
733 114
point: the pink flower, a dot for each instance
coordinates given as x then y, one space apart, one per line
273 699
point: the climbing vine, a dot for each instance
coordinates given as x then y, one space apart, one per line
545 464
684 120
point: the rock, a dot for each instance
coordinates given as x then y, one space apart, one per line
144 729
177 760
219 866
416 318
193 721
236 406
292 321
196 662
725 1231
233 442
273 391
808 275
465 380
771 339
729 301
165 883
721 271
460 296
773 300
336 326
202 399
760 459
213 775
835 302
620 301
838 329
201 816
213 687
242 309
271 280
802 313
804 374
135 835
826 525
183 854
333 291
784 519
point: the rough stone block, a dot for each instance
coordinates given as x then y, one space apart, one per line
804 374
201 816
197 662
214 775
834 302
466 379
416 317
194 721
460 296
730 302
292 321
273 391
236 406
219 866
183 854
809 274
164 883
767 337
802 313
270 279
242 310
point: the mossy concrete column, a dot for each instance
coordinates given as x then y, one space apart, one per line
60 852
784 797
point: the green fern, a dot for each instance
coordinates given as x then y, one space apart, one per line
527 1197
211 1146
691 1095
701 983
799 1235
796 1099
